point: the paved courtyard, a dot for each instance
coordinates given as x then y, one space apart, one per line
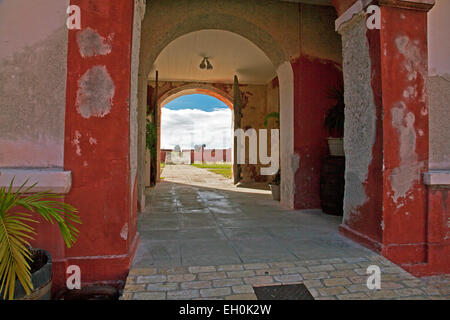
202 238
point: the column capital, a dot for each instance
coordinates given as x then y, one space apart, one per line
421 5
360 5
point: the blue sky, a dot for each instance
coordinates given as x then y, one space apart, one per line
196 101
195 120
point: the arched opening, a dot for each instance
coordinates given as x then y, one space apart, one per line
196 129
276 72
241 74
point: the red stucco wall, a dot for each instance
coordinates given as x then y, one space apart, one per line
97 147
313 80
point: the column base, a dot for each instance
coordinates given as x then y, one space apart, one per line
112 269
360 238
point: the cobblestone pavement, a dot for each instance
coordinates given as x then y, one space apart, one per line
203 238
337 278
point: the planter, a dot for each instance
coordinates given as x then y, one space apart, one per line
41 279
332 185
336 146
93 292
275 188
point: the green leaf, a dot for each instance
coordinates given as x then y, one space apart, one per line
274 115
16 230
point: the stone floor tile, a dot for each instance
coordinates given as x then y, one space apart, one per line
243 289
215 292
196 285
183 294
149 296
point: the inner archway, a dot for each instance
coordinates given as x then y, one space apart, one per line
198 88
273 49
196 129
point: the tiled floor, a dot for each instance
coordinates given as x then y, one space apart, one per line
203 238
190 221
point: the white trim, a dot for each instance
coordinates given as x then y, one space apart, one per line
53 180
436 177
287 156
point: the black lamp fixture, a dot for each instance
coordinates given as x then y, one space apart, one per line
205 64
208 65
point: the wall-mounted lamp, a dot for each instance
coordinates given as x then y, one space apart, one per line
205 64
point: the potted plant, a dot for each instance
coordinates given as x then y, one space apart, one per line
274 115
334 121
25 273
275 186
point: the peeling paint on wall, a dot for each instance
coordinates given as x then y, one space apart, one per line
413 57
92 141
403 177
76 142
124 232
92 44
360 114
95 93
407 173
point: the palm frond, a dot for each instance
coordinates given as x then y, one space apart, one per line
15 231
335 116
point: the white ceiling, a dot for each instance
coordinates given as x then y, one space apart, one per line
229 53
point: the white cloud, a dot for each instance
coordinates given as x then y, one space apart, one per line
190 127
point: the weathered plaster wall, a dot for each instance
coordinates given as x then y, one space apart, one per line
360 116
33 55
363 132
439 84
316 72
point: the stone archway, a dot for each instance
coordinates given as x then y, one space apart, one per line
177 90
278 47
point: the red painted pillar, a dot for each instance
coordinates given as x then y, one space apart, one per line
404 63
393 218
97 147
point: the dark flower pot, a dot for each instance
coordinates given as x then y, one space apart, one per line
41 279
275 188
